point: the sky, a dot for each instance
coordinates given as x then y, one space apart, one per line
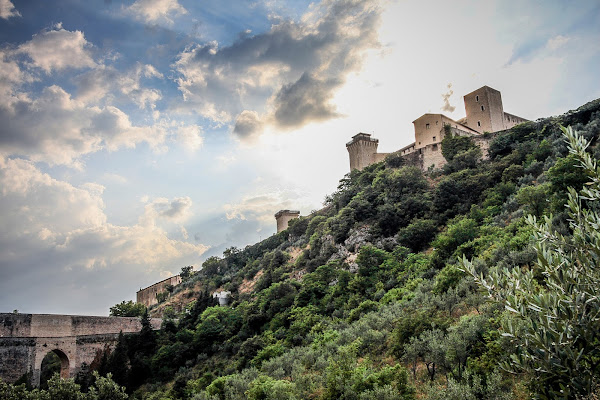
141 136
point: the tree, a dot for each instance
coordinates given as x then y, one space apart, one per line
454 144
127 309
107 389
118 362
186 272
555 323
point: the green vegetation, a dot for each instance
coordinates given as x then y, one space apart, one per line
556 303
127 309
103 388
368 297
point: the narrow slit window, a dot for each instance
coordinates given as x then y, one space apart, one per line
482 108
477 99
478 123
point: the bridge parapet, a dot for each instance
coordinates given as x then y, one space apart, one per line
53 325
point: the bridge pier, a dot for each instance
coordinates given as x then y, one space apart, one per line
65 349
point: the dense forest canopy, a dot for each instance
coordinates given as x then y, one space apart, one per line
379 294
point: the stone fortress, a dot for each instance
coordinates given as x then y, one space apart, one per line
484 111
484 114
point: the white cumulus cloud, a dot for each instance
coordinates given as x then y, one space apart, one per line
57 129
8 10
58 49
154 11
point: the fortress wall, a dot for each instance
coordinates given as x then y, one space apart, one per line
511 120
484 144
432 157
415 159
380 157
147 296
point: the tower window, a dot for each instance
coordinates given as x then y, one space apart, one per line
478 123
434 138
482 108
426 126
477 99
436 122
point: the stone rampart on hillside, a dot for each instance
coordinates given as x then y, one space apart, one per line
147 296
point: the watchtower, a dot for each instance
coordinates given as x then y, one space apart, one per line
484 110
362 150
284 217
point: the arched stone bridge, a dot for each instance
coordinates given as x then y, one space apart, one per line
25 339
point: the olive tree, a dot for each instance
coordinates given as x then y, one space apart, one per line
555 306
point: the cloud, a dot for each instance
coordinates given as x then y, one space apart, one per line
53 231
262 206
106 81
248 125
114 178
154 11
176 210
12 76
289 74
446 96
556 42
58 129
7 9
57 49
305 100
190 136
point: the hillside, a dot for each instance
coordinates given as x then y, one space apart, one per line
367 298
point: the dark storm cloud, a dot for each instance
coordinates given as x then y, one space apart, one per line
288 75
176 209
248 124
305 100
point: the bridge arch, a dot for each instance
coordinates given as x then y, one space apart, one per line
64 362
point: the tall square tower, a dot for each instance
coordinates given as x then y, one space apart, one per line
362 150
484 110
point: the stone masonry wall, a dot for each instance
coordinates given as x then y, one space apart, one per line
51 325
147 296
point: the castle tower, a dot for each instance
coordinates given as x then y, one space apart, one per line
284 217
362 150
484 110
